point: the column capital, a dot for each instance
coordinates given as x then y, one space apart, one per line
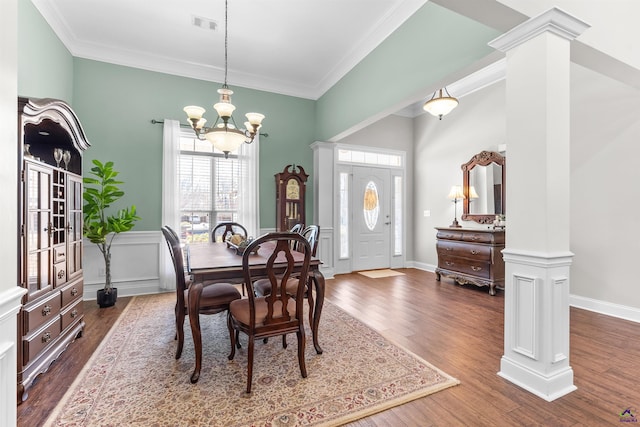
554 20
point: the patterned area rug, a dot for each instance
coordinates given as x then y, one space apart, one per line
133 379
376 274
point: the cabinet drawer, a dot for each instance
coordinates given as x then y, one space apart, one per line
59 273
71 292
72 314
37 342
40 313
465 266
464 250
59 254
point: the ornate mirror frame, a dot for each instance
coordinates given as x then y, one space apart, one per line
484 158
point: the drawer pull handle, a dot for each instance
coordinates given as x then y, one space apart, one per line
46 337
74 292
448 236
474 252
448 263
475 237
449 249
46 310
60 274
474 268
74 314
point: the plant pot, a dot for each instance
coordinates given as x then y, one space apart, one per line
107 299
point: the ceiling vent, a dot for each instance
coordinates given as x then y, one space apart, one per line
205 23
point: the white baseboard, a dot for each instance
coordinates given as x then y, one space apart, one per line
607 308
421 266
603 307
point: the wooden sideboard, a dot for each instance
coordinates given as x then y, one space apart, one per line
471 256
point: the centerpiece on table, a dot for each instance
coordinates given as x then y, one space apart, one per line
240 243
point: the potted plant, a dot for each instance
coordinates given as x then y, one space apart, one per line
100 226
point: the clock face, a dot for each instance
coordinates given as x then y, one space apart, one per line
293 189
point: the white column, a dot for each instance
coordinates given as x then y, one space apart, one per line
323 203
537 255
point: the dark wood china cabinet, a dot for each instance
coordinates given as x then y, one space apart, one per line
50 146
290 194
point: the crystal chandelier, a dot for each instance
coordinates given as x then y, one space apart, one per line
224 134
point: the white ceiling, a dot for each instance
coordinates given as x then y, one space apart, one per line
293 47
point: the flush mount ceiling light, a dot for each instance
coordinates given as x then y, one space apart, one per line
224 135
441 105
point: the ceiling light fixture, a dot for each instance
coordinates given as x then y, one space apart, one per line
224 134
441 105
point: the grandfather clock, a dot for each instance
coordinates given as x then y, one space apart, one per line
290 189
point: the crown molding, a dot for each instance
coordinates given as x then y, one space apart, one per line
554 20
163 64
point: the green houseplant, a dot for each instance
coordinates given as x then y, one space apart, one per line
101 226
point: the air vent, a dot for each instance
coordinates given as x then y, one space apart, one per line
205 23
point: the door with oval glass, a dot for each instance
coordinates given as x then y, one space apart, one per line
371 218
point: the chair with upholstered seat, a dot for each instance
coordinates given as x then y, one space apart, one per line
277 313
310 234
224 230
215 297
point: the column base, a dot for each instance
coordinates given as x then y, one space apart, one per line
548 388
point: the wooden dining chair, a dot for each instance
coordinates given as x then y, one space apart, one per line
223 230
215 298
277 313
311 234
297 228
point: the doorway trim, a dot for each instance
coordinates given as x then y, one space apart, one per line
329 163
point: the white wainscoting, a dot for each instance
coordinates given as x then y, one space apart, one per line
135 266
10 302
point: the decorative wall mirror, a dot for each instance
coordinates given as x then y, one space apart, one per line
484 181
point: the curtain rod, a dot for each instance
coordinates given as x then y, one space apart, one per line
182 125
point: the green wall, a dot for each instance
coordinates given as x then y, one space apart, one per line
430 45
45 66
116 104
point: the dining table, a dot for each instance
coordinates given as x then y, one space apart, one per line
219 262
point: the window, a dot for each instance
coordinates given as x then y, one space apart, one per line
344 215
208 186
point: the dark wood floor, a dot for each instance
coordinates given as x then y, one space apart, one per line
458 329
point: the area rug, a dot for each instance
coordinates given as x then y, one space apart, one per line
377 274
133 378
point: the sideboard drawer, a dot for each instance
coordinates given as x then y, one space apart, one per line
464 266
477 237
471 256
449 235
460 249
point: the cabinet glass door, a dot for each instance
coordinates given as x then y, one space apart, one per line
38 230
74 225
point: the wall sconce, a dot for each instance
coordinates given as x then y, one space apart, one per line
455 194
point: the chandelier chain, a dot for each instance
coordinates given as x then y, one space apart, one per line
226 43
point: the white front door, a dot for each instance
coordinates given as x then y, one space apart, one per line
371 200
